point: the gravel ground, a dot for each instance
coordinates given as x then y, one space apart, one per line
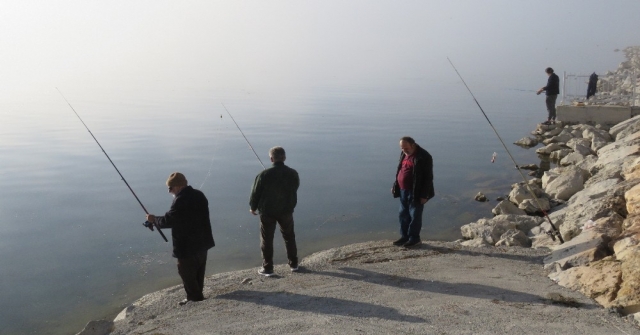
377 288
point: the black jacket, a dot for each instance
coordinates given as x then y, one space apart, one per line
553 85
422 175
275 189
189 221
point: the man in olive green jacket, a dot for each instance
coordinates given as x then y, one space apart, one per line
274 195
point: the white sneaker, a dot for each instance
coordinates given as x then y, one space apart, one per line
296 269
265 273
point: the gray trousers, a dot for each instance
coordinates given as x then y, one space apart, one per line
551 106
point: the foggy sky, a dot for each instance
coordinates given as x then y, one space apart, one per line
89 46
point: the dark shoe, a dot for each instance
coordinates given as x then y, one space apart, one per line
411 243
401 241
183 302
546 123
264 272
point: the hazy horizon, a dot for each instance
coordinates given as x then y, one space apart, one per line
120 49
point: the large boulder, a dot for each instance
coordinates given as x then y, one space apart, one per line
585 248
609 226
587 163
520 192
599 280
491 230
632 170
579 141
563 137
599 138
609 171
552 131
534 206
632 198
560 154
507 207
566 184
514 237
628 297
590 204
573 158
625 128
548 149
527 142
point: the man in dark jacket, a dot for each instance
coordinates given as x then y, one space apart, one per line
191 234
414 187
592 85
274 195
551 90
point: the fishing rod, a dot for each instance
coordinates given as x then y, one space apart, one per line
245 138
555 230
146 224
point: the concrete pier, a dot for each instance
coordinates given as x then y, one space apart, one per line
595 114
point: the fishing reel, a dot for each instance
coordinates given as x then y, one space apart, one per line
550 233
148 225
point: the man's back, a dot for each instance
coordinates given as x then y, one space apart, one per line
275 190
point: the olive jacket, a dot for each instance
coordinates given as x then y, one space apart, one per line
274 191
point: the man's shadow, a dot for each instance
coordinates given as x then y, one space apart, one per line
460 289
320 305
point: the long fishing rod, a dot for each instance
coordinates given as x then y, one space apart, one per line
555 230
146 224
245 138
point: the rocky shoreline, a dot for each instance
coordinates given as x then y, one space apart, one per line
593 197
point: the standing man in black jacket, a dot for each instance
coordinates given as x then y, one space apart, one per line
551 90
191 234
274 195
414 187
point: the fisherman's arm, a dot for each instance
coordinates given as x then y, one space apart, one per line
256 192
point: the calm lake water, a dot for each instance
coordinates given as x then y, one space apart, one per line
72 242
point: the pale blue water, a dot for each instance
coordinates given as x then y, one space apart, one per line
72 242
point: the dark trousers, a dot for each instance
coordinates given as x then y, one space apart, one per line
267 230
410 215
191 270
551 106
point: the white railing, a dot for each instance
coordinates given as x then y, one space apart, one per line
613 89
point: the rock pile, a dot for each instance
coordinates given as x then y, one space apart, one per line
593 198
622 86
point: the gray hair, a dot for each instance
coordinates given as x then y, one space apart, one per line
278 154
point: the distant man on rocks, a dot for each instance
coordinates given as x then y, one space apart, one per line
414 187
274 195
551 90
191 234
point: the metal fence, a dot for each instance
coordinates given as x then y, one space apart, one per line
612 89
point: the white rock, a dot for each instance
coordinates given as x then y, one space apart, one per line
567 184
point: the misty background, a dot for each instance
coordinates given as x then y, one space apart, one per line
334 82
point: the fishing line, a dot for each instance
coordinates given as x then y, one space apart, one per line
208 174
555 230
245 138
114 166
